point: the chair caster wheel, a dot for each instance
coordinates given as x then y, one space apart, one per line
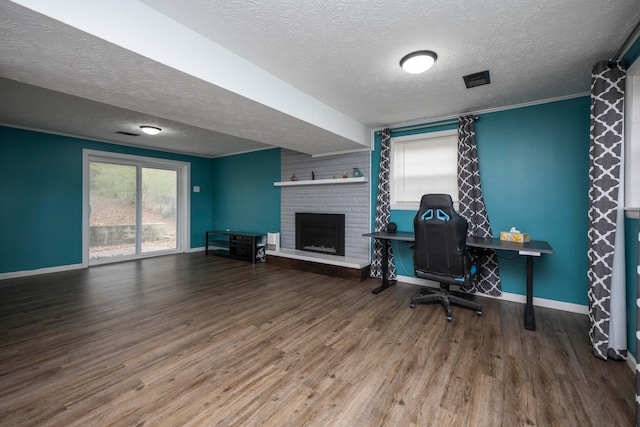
412 305
448 318
479 313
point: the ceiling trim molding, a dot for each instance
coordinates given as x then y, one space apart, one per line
237 153
140 146
486 111
106 141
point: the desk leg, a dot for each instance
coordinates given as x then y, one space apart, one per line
385 269
529 318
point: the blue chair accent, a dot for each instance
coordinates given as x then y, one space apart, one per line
442 216
473 269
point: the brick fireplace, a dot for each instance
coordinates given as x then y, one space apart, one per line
349 200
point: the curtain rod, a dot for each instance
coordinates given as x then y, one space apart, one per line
431 125
634 32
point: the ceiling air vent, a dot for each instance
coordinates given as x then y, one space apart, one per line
121 132
477 79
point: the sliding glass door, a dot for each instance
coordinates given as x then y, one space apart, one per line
158 209
133 207
112 212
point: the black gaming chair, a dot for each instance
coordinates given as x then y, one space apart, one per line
441 252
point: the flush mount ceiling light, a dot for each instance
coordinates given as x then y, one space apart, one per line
150 130
418 62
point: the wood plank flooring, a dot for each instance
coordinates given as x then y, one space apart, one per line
191 340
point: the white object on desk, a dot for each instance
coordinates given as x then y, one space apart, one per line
529 253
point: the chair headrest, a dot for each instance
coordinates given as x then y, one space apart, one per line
441 201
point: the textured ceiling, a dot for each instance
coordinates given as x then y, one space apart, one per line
313 76
346 53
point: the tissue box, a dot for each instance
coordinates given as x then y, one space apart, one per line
514 237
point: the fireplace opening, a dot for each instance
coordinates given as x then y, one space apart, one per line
317 232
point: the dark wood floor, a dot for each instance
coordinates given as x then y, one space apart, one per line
195 340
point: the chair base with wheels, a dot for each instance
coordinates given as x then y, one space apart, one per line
446 299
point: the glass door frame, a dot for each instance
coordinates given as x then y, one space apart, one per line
183 215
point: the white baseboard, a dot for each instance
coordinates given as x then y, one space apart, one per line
631 361
26 273
506 296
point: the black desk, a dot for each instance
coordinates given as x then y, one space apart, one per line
530 249
405 236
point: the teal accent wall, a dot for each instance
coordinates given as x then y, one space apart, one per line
41 191
632 227
534 164
633 53
535 174
244 197
41 209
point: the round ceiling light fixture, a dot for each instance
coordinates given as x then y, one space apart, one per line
418 62
150 130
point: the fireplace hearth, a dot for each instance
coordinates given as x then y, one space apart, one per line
320 232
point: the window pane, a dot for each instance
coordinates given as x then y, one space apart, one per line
159 207
422 166
112 210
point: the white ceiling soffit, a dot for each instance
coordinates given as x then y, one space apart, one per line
187 78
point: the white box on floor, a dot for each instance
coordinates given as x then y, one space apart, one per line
273 241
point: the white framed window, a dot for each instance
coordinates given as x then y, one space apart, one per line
423 164
631 154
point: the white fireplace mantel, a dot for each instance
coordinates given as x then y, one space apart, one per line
333 181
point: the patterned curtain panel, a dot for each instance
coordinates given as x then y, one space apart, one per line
383 209
472 206
605 151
